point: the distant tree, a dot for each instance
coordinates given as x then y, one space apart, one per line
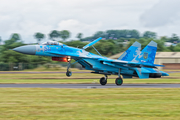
54 34
118 34
76 43
160 45
0 40
105 47
39 36
149 34
171 48
79 36
115 34
110 34
87 39
134 34
65 34
177 48
132 40
9 55
164 38
15 36
174 38
98 34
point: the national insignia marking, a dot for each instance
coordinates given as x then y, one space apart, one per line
145 55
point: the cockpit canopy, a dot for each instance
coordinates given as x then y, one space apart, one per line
52 43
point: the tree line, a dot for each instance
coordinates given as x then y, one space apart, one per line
109 34
114 41
54 35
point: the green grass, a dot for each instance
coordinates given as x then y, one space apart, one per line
92 104
53 104
60 69
126 81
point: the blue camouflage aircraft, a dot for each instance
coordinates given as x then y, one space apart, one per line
132 63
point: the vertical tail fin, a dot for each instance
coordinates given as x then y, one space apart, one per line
148 54
131 52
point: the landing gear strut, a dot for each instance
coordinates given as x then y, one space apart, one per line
103 80
68 73
119 80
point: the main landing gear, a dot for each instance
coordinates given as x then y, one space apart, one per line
118 81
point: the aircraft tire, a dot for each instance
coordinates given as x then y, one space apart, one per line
103 81
119 81
68 73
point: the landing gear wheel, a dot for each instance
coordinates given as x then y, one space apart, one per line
68 73
103 81
119 81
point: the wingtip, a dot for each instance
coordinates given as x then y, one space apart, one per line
100 38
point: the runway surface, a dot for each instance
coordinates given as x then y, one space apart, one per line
36 72
89 86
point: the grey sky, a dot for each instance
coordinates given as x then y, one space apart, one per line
163 13
30 16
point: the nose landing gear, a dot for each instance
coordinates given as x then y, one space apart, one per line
68 73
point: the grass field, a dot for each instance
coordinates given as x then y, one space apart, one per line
88 104
78 78
92 104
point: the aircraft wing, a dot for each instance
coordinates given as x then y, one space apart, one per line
113 61
120 62
58 54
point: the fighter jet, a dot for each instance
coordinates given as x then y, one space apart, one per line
132 63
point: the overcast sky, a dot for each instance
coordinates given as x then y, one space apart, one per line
27 17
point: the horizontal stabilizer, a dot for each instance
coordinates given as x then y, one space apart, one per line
92 43
164 74
149 70
159 65
152 65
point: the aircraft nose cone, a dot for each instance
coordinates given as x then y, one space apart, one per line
28 49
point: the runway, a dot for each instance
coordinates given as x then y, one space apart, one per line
17 72
89 86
